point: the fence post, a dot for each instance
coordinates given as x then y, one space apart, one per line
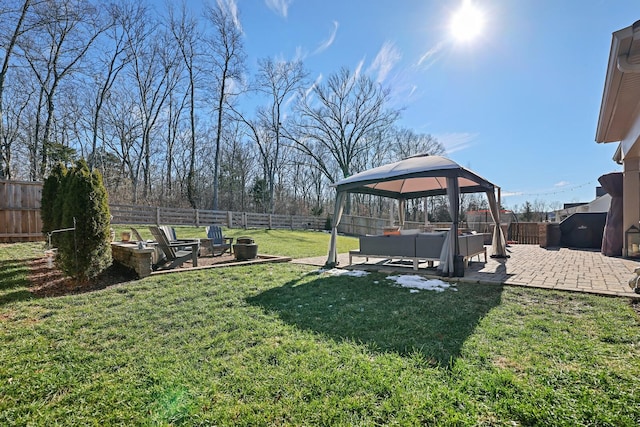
270 222
197 217
244 220
229 219
291 222
158 215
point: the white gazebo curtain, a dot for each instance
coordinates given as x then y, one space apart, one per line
332 259
415 177
498 244
450 248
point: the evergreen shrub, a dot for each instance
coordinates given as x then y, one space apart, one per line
50 190
87 252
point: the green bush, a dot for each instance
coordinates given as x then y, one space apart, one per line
85 253
50 190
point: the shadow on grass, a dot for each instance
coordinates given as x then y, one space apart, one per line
22 280
373 311
13 274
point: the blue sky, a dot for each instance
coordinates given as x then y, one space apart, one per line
518 104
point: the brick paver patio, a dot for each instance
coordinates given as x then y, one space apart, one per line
530 265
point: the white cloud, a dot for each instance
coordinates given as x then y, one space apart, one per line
288 102
511 193
315 83
230 7
385 60
456 141
561 184
281 7
301 54
358 70
431 56
329 41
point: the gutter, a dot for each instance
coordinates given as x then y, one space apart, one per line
622 62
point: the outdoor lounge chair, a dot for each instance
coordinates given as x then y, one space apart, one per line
219 243
136 235
174 255
170 232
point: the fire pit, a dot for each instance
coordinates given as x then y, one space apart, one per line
245 248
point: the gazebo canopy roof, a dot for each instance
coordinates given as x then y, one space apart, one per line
414 177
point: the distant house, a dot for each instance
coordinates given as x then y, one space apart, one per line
619 119
600 204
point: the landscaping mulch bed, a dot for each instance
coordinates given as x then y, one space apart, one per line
50 282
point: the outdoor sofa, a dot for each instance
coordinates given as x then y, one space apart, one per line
417 247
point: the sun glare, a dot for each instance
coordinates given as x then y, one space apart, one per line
467 22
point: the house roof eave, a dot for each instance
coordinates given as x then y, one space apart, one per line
612 114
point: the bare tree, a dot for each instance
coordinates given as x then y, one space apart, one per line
540 208
405 143
278 81
153 69
227 53
236 168
185 33
267 153
68 30
123 16
176 104
9 45
122 135
14 118
340 121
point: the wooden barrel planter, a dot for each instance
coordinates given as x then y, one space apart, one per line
245 248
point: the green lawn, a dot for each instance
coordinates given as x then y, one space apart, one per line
278 344
295 244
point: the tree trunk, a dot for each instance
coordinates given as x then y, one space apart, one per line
216 166
192 159
5 149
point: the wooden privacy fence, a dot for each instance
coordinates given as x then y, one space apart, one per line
362 225
20 211
524 233
20 215
516 232
131 214
20 218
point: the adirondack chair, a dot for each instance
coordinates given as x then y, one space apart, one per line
136 235
219 243
174 255
170 232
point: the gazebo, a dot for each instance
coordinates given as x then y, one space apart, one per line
416 177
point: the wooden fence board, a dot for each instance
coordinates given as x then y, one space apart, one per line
20 218
20 211
524 233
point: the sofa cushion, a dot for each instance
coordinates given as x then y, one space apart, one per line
388 245
473 244
429 245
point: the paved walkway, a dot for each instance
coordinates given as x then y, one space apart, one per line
530 265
